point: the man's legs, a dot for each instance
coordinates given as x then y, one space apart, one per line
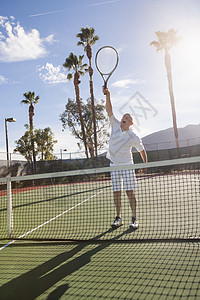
118 202
132 201
117 186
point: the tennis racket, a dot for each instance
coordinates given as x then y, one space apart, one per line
106 61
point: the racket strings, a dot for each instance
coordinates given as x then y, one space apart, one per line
106 60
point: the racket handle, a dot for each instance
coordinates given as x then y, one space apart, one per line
105 87
104 90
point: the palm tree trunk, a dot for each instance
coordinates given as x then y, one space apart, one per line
171 93
76 85
89 55
93 110
31 114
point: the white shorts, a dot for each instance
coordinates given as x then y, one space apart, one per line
126 177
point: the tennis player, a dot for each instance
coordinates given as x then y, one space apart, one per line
120 153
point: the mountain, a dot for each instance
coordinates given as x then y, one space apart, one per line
164 139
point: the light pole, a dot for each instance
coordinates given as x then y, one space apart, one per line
10 120
61 150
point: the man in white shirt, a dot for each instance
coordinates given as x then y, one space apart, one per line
122 140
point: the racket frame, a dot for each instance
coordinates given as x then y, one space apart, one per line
110 73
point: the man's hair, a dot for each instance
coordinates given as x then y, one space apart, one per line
129 116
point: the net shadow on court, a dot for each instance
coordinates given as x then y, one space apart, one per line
103 270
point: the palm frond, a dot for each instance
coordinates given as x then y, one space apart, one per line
71 62
69 76
93 41
86 36
80 44
24 102
157 45
30 98
84 66
166 40
81 73
81 57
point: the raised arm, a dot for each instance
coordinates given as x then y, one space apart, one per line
108 102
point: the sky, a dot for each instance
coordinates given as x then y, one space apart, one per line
37 36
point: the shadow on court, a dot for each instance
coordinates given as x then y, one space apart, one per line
55 198
37 281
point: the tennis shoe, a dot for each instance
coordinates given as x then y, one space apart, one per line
117 223
134 223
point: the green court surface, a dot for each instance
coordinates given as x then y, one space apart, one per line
160 260
102 270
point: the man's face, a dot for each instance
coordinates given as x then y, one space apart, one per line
126 122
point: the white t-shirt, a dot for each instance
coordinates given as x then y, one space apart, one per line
121 144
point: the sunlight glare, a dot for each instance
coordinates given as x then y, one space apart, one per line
188 50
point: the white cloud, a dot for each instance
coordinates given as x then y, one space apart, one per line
125 83
17 44
49 39
3 80
50 74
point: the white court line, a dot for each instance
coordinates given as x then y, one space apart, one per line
28 232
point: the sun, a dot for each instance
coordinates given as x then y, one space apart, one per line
188 49
186 60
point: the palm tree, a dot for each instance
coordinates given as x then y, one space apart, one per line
87 39
166 40
75 63
31 100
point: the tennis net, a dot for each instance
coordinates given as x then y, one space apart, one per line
79 205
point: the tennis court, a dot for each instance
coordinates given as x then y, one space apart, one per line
100 270
84 257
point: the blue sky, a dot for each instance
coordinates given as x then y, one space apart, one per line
37 36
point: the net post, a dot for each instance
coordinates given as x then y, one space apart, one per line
9 208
